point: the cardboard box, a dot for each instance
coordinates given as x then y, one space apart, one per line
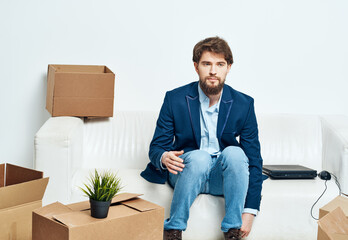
80 91
339 201
333 226
129 218
21 191
333 220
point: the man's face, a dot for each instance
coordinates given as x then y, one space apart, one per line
212 70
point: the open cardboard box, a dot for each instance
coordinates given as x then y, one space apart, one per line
333 220
80 91
21 191
334 226
129 218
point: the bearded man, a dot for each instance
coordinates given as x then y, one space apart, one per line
195 146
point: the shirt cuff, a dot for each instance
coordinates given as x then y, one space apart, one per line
251 211
163 167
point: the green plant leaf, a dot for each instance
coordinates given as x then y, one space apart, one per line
102 186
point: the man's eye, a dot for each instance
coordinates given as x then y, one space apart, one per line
221 64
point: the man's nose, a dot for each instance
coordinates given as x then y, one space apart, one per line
212 69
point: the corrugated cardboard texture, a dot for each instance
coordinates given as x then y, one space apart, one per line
338 236
2 175
47 229
322 235
89 85
332 224
15 222
80 218
339 201
16 174
22 193
144 226
122 223
53 209
83 107
80 90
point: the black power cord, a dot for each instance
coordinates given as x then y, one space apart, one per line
317 201
325 175
338 185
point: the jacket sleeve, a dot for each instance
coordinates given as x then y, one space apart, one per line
249 141
164 134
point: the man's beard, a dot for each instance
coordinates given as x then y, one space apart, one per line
211 90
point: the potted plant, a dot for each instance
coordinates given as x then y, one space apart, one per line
101 188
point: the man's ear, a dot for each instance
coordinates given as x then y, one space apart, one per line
196 66
229 68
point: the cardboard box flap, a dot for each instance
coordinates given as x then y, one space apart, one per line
81 206
2 175
79 218
16 174
334 223
140 205
339 201
124 197
52 209
74 219
22 193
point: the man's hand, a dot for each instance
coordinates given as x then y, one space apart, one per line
247 223
173 163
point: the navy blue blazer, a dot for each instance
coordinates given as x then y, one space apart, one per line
178 128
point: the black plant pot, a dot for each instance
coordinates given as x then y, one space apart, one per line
99 209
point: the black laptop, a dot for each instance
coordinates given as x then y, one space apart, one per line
289 172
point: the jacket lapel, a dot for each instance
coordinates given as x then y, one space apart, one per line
224 111
192 100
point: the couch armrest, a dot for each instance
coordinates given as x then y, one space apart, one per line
335 147
58 153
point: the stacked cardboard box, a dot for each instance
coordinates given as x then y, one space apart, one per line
129 217
333 220
21 191
80 91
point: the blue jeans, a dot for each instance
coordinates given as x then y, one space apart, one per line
227 176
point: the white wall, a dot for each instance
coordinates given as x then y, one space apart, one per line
291 56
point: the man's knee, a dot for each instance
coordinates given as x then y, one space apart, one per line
197 161
234 156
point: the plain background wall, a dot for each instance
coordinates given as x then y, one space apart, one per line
291 56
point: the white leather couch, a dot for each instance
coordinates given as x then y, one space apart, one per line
68 148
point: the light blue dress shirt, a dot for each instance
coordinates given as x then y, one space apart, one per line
208 119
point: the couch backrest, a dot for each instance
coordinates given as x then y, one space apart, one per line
119 142
123 141
291 139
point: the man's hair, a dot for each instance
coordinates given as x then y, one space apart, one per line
215 45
